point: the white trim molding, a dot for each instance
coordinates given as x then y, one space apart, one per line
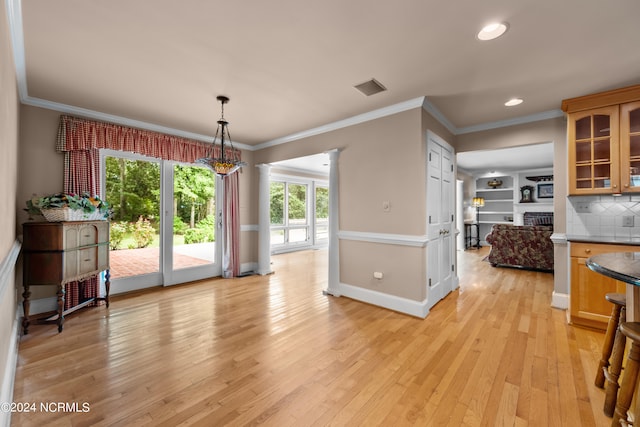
350 121
7 290
391 302
545 115
8 266
386 238
559 300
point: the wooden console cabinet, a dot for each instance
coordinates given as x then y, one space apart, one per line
56 253
588 288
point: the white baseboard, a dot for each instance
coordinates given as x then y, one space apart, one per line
248 266
559 300
7 290
6 393
391 302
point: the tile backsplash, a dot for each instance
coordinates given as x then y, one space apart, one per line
604 216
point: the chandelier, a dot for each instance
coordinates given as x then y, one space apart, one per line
227 162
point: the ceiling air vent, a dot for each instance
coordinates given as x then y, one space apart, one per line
370 87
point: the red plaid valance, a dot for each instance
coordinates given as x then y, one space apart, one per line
81 134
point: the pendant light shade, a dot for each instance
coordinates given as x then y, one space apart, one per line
227 162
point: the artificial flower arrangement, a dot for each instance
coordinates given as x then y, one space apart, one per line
69 207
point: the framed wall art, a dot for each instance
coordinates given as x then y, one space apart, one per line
545 191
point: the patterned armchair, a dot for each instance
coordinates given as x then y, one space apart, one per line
527 246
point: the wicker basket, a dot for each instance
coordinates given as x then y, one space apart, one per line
67 214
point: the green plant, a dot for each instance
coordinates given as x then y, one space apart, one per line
84 202
179 226
194 235
143 232
118 232
204 231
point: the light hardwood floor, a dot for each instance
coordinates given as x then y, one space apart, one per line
274 351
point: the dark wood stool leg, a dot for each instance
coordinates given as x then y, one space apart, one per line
607 347
613 373
630 377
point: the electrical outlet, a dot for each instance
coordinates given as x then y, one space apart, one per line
583 207
627 221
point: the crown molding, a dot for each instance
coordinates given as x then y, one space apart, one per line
545 115
14 15
91 114
437 114
360 118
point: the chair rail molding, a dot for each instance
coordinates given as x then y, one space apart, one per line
386 238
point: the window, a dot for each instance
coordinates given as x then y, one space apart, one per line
299 213
322 213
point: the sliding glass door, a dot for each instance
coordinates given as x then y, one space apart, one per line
192 247
163 227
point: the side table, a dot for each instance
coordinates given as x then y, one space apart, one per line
469 237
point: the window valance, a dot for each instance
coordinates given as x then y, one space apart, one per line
82 134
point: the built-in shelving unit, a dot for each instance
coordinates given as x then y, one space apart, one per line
502 203
498 202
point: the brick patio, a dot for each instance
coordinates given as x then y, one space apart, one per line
133 262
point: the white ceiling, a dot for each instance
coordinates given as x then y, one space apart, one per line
290 66
317 164
513 159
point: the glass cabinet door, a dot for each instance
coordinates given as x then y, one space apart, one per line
630 146
593 152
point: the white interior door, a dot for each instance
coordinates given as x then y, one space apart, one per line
440 219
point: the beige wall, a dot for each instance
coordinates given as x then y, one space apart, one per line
248 209
513 136
9 118
43 166
381 160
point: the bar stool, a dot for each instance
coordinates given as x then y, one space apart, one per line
612 353
630 377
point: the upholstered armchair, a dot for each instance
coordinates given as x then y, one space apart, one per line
526 246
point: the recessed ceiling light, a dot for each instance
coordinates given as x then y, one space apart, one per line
512 102
493 31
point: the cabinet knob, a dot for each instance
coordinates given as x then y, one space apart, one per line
615 185
588 251
626 186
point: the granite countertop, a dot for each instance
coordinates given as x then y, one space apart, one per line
624 266
605 239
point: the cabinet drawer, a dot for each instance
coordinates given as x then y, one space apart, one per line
586 250
88 235
60 236
80 263
87 261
